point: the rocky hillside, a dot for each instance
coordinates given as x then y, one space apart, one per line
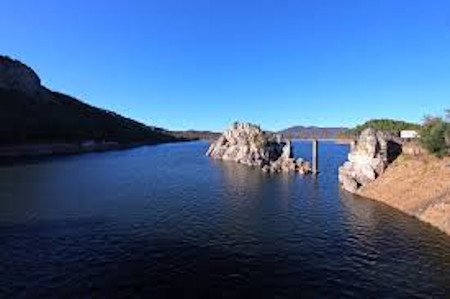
248 144
31 114
418 185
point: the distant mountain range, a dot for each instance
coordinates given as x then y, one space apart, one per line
32 114
313 132
196 135
300 132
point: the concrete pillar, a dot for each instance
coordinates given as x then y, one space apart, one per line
315 156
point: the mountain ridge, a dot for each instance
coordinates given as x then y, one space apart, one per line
33 114
306 132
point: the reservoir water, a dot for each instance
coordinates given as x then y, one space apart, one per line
165 220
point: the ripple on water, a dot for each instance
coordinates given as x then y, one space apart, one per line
164 219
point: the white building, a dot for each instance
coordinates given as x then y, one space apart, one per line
409 134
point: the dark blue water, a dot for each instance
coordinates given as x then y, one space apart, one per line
167 221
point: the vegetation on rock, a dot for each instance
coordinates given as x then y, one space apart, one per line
385 125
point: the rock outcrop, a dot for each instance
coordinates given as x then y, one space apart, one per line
247 144
15 75
368 158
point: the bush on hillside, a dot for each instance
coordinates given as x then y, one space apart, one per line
435 136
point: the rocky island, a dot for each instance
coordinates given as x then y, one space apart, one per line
247 144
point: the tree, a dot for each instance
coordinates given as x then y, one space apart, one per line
435 135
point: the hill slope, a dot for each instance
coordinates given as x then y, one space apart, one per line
416 185
312 132
30 113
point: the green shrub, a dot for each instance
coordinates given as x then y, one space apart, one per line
435 136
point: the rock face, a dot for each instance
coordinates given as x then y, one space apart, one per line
15 75
248 144
368 158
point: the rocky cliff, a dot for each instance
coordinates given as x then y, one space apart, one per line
247 144
368 158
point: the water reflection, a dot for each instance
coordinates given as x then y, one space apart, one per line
168 218
250 184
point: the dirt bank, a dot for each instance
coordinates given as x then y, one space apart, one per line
417 185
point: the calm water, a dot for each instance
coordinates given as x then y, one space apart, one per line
166 220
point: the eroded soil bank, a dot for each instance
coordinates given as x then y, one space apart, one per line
416 185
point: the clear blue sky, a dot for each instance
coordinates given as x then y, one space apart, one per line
203 64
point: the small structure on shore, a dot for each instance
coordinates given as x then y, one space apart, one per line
409 134
247 144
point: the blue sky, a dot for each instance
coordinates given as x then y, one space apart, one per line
203 64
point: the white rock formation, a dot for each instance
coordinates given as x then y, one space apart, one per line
248 144
367 159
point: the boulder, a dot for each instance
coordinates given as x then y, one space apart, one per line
368 159
349 184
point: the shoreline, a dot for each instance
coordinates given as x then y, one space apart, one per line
418 186
428 218
20 152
